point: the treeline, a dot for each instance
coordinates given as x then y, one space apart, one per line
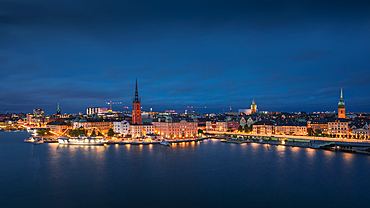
246 129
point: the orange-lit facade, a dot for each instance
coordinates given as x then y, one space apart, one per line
174 130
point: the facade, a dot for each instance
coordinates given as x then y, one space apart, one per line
291 129
263 127
322 125
141 130
136 112
221 126
242 122
58 127
341 106
96 110
338 126
121 127
209 125
91 125
168 128
361 131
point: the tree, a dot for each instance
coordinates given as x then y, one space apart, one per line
246 128
110 132
240 129
318 132
200 131
310 132
93 134
100 134
69 123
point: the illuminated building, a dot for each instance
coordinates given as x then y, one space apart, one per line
321 125
136 112
96 110
221 126
94 124
263 127
121 127
141 130
57 126
291 129
38 112
253 107
338 126
341 106
175 128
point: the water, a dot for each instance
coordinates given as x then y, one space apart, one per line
205 174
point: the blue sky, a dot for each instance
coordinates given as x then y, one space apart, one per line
287 55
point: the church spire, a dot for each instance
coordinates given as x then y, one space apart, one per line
58 108
341 92
136 99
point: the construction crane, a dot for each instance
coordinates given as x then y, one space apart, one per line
191 108
112 103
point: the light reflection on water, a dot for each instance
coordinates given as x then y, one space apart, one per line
205 174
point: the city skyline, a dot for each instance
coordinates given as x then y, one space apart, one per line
288 56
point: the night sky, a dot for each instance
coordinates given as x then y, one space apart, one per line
287 55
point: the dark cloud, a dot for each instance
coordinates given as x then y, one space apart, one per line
200 53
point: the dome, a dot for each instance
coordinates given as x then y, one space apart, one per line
83 120
76 120
168 119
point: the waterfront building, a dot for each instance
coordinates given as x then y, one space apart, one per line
121 127
253 107
175 128
291 129
338 126
221 126
361 131
341 105
136 112
141 130
90 125
209 125
57 126
263 127
321 125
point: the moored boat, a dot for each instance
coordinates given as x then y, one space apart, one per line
82 140
30 139
39 141
164 142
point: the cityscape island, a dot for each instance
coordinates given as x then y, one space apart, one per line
314 130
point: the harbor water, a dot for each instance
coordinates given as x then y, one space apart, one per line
195 174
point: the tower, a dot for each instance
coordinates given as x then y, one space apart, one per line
58 108
341 105
253 107
136 112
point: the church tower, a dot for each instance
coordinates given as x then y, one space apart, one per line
136 112
58 108
253 107
341 105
